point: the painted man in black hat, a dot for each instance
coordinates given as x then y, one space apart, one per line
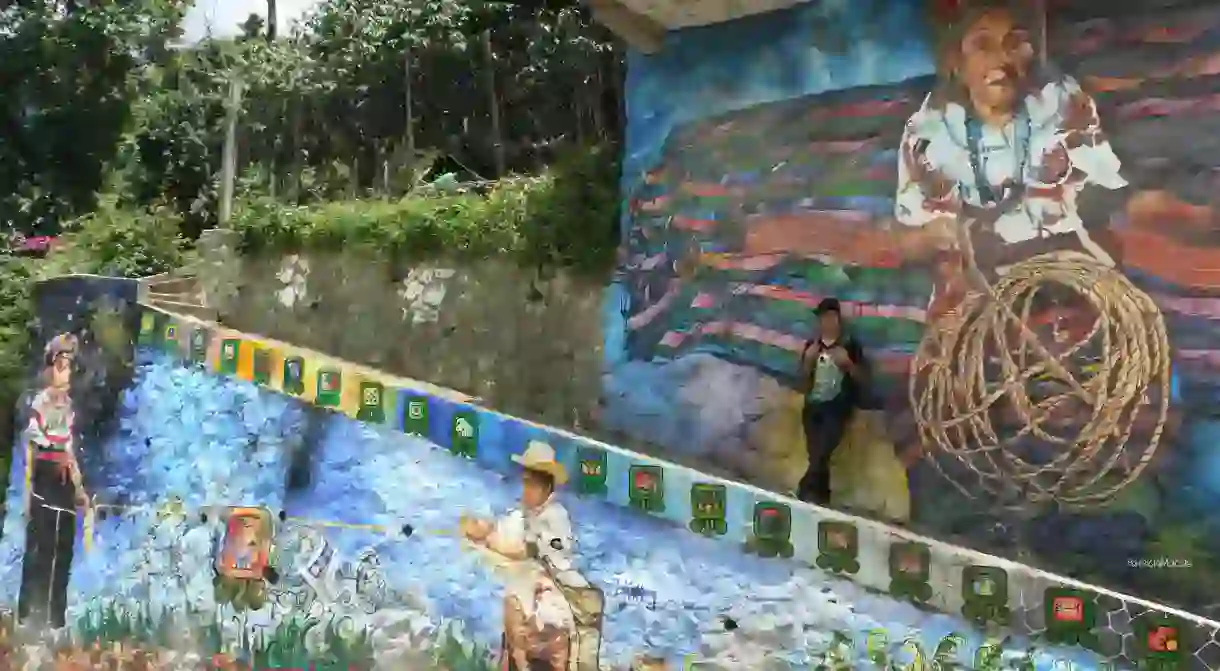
832 370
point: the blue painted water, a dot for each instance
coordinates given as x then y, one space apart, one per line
216 441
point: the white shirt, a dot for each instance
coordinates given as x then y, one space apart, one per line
50 421
827 378
939 139
550 529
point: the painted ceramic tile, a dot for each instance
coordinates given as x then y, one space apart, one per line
413 416
589 466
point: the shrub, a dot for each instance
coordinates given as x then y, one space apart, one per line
16 319
118 243
566 218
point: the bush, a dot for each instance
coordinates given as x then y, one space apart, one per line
118 243
16 319
565 219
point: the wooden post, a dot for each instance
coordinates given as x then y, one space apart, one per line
278 183
494 101
228 168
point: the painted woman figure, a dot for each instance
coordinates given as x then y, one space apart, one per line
54 488
997 131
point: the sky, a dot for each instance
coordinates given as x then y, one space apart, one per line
221 18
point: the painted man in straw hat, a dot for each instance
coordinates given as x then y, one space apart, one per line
537 617
54 488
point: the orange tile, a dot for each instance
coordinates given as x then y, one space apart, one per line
245 360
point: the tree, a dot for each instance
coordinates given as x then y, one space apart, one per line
272 21
99 94
359 45
70 76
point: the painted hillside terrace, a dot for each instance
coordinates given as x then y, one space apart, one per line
791 201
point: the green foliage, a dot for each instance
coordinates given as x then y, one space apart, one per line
572 220
911 655
16 319
287 647
452 654
171 156
284 647
564 219
110 623
93 88
69 74
119 243
324 112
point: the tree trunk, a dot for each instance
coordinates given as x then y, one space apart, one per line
229 166
272 21
494 101
599 103
296 163
383 167
409 105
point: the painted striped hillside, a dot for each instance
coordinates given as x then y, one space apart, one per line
784 203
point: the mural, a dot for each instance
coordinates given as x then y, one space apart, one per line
1016 211
251 505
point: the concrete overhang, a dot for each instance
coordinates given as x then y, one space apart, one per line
643 23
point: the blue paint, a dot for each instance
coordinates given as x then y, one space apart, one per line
615 305
707 72
441 412
494 448
401 397
517 435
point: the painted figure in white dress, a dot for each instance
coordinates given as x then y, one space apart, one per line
999 126
538 620
54 489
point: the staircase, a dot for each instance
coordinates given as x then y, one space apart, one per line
178 292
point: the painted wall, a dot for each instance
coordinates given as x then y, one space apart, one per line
762 174
361 478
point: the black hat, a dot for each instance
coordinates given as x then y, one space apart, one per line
829 305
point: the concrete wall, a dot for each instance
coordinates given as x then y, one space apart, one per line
762 174
486 328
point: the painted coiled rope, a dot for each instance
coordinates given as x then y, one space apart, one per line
1069 433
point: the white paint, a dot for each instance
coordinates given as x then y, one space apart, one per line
422 293
294 275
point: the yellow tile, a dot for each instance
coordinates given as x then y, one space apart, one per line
349 402
245 360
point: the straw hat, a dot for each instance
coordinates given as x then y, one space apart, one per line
539 456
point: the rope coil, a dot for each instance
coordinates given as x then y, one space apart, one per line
1077 439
